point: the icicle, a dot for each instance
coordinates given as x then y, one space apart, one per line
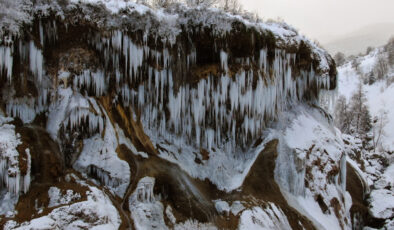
26 178
220 101
136 56
95 81
6 60
41 31
263 60
36 61
224 60
116 40
191 58
79 116
24 108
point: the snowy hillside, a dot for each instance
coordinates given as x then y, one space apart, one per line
373 156
120 115
380 94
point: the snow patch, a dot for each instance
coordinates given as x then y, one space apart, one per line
56 197
269 218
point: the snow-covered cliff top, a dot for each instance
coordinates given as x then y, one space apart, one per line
166 24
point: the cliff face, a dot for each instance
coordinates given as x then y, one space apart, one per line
129 117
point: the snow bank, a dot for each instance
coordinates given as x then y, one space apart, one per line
97 212
381 202
56 197
222 207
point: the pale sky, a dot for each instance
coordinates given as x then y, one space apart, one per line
324 20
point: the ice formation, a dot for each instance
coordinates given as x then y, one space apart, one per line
11 176
27 108
99 160
79 116
145 190
217 112
146 210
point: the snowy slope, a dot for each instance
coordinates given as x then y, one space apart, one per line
377 166
305 162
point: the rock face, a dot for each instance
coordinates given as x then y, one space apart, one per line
123 116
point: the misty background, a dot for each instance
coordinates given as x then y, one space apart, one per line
349 26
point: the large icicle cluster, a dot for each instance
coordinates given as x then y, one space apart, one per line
11 176
95 81
79 117
215 110
26 108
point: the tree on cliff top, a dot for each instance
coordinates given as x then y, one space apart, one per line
340 58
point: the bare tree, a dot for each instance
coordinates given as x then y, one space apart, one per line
356 64
361 119
162 3
232 6
206 3
381 66
343 115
